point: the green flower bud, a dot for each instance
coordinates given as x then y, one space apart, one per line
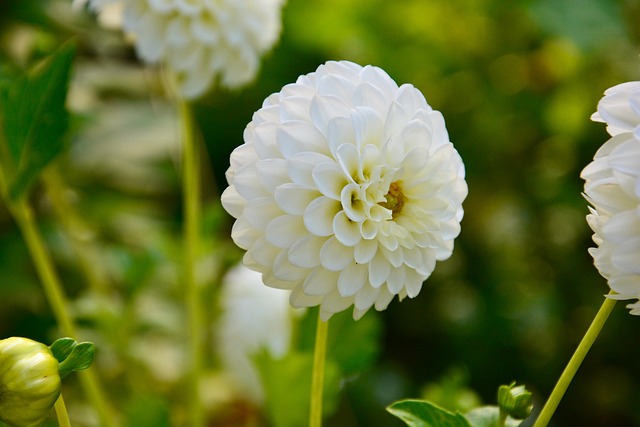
515 401
29 382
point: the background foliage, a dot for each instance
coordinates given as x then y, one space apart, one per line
516 82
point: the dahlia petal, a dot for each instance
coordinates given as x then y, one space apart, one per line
621 225
299 299
625 256
345 230
379 270
334 256
324 108
340 130
263 252
379 80
320 282
301 166
329 179
367 125
413 282
294 108
233 202
306 251
284 231
365 251
335 85
333 302
294 198
260 211
272 173
384 298
348 158
243 234
396 279
367 94
247 183
318 217
295 136
284 270
395 257
365 298
352 279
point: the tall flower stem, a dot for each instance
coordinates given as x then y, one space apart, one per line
57 300
61 413
575 362
84 251
191 201
54 293
317 377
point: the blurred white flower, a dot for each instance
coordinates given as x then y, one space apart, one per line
254 317
620 109
346 191
612 187
200 39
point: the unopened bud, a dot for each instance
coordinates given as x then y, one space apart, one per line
29 382
515 401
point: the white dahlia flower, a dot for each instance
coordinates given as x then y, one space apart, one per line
612 187
253 318
202 39
346 191
620 109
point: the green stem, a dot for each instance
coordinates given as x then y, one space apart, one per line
86 255
54 293
57 300
575 362
191 194
61 413
317 378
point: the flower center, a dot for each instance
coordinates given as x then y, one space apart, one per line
394 199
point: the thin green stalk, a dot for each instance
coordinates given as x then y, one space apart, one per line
57 300
191 194
61 413
54 293
317 377
85 252
575 362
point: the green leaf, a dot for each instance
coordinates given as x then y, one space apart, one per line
287 384
419 413
81 357
488 416
34 120
62 347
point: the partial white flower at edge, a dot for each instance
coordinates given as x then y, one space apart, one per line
346 190
253 318
612 187
201 40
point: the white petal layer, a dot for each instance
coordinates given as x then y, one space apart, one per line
347 190
612 187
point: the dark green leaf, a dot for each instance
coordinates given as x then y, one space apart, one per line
62 347
419 413
35 119
81 357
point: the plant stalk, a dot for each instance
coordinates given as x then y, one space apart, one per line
317 378
574 363
191 201
61 412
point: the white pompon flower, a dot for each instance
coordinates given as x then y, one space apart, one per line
620 109
202 39
253 318
612 187
346 190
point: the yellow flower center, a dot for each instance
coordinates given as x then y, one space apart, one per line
394 199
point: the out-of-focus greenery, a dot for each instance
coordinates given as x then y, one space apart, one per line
516 81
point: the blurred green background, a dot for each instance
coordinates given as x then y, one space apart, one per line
516 81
